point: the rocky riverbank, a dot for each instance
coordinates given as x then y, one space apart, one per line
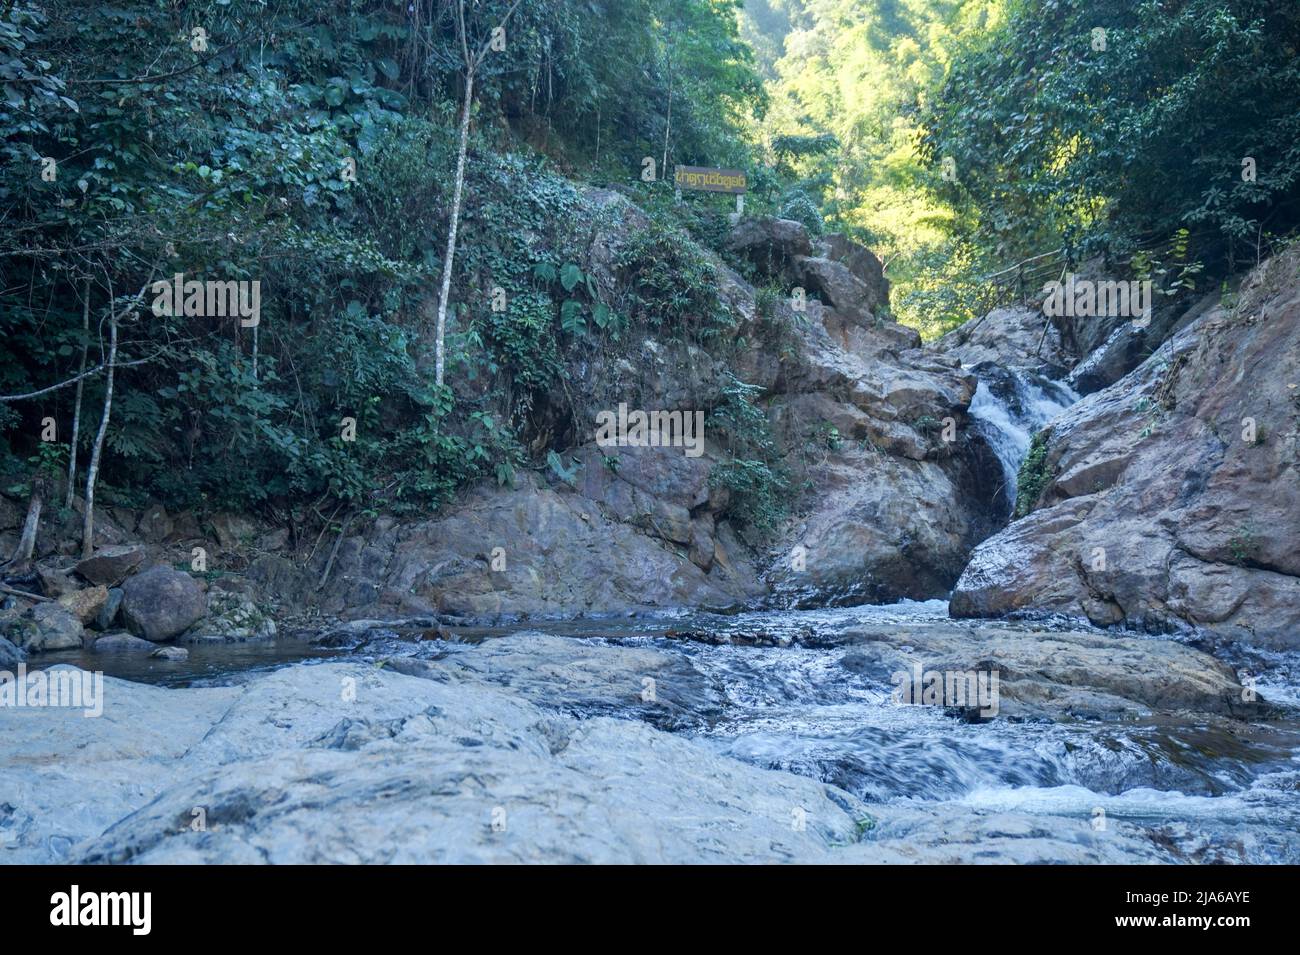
763 738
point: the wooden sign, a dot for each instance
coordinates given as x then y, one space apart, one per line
710 180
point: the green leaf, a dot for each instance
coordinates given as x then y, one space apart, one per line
570 276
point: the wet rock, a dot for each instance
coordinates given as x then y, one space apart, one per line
161 603
1012 336
171 654
1064 675
581 678
1169 500
85 605
110 565
122 643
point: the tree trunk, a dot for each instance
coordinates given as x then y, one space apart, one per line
27 542
449 257
668 123
92 470
76 408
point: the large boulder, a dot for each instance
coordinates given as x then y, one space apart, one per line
834 284
1171 499
111 565
231 618
55 578
161 603
865 266
769 244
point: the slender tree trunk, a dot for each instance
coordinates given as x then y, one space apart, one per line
92 470
76 408
668 124
27 542
449 257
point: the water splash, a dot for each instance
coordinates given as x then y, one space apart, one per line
1009 407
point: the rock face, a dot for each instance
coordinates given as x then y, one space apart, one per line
1172 497
161 603
560 553
639 528
1012 336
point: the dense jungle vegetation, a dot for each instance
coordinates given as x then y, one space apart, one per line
312 147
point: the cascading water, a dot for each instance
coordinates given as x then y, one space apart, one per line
1009 407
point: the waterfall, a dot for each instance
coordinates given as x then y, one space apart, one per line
1009 407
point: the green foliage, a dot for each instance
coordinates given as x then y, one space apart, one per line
1034 475
671 288
235 162
1055 136
751 472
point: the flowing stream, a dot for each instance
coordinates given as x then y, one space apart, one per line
1009 407
783 689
